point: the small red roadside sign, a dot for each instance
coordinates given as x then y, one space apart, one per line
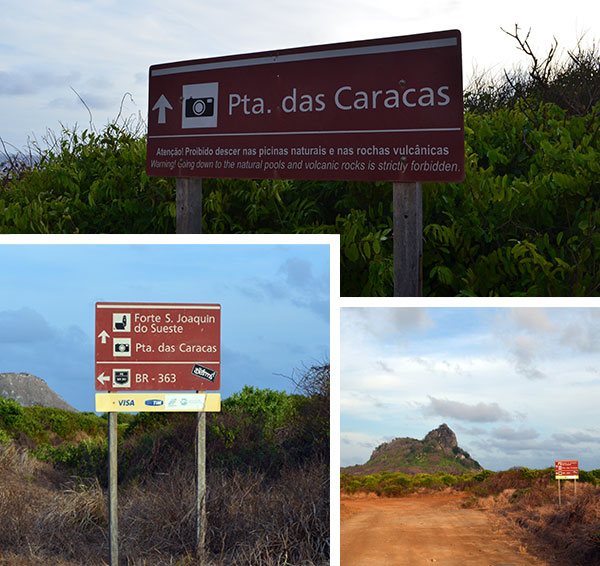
157 347
566 469
385 109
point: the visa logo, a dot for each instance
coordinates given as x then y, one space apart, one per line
154 402
126 403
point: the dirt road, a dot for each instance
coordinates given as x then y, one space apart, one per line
424 529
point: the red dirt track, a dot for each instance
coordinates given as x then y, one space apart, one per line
424 529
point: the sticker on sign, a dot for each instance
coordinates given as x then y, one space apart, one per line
204 373
382 109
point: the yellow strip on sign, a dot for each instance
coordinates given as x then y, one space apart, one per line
158 402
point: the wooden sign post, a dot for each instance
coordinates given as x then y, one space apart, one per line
408 239
200 486
188 201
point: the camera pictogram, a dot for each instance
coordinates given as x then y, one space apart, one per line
122 347
200 104
197 107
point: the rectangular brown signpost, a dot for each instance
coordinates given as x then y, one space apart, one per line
156 346
160 347
566 470
384 109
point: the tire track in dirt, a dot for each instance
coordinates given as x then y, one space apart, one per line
424 529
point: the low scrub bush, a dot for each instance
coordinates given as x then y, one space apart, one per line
394 484
45 425
87 459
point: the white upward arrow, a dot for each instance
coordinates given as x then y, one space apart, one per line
161 105
103 336
103 378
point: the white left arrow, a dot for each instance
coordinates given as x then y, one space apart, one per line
103 336
162 104
103 378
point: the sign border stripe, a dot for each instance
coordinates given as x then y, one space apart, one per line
308 132
155 306
165 363
310 56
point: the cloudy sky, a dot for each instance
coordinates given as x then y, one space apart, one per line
519 386
274 298
51 51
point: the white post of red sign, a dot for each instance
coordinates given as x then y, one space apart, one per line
200 486
113 506
559 501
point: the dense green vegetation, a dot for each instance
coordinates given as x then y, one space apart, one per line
36 426
481 484
524 222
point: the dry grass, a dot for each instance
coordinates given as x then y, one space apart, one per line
566 535
251 519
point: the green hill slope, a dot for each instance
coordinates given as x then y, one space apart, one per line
438 452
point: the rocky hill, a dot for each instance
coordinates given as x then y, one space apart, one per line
29 390
437 452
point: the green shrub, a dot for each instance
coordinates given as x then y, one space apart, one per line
40 425
88 458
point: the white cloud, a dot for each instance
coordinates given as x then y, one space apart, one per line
533 319
357 447
477 413
582 335
508 433
384 323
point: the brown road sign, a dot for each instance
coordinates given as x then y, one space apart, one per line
157 346
383 109
566 469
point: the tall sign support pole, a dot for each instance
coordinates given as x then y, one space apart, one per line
189 221
408 239
113 520
188 201
559 501
201 486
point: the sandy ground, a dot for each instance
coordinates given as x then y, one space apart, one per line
424 529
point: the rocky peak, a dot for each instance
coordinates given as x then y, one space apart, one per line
442 436
29 390
437 452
